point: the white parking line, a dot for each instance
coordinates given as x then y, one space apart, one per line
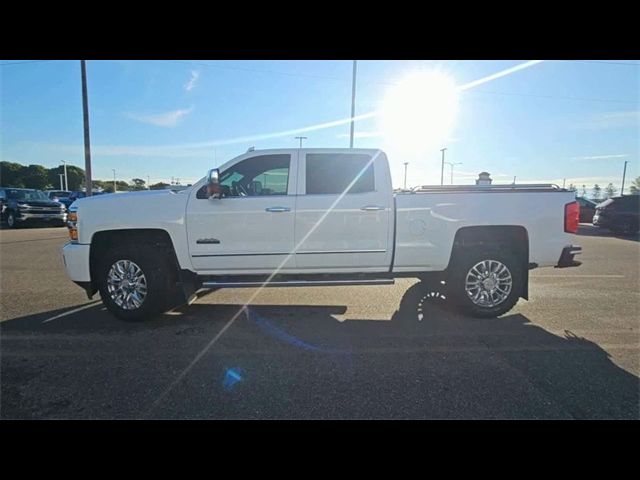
70 312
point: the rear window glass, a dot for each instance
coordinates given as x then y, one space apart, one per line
332 173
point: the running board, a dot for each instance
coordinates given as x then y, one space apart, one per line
299 283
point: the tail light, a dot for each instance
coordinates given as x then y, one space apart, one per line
571 217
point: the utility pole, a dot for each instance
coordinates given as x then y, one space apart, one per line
61 175
624 174
452 164
405 174
85 116
115 187
300 138
353 100
66 181
442 168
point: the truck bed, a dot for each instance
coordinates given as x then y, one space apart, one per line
427 219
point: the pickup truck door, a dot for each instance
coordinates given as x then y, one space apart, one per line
344 212
249 229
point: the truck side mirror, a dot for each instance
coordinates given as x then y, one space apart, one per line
213 183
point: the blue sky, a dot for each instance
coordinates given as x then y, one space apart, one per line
163 119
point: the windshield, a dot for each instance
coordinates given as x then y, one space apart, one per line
27 195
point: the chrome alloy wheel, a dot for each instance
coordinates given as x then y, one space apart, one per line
488 283
127 284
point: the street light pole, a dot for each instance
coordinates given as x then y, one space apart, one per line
624 174
353 100
452 164
66 181
61 175
85 116
405 174
300 138
442 168
115 188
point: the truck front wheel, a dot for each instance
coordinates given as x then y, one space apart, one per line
485 283
134 281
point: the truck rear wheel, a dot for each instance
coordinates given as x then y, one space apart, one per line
134 281
485 283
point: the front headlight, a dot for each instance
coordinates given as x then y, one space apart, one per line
72 224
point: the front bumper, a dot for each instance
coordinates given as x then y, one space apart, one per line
23 217
566 258
75 257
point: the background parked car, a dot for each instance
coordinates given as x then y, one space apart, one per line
25 205
619 214
73 196
587 209
57 195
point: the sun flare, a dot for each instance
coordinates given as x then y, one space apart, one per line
418 114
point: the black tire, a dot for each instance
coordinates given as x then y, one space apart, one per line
11 220
159 273
461 268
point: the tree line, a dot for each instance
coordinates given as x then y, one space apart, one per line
597 193
42 178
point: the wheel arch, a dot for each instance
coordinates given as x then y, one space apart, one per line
515 238
102 241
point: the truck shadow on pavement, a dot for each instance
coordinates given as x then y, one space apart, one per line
306 361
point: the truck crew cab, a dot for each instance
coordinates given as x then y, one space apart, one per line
311 217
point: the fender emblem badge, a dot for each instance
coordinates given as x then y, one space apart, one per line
207 240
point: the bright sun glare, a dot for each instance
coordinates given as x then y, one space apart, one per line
418 114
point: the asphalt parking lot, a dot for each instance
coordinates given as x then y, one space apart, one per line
572 351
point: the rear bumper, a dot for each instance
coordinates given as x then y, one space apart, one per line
567 257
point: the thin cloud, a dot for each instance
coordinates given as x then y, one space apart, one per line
166 119
601 157
611 120
191 84
177 150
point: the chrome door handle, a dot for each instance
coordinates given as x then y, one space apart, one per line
371 208
277 209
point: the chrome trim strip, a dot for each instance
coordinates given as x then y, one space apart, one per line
341 251
287 253
298 283
238 254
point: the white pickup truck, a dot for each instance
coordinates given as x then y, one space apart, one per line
316 217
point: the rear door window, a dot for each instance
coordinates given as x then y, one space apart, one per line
335 173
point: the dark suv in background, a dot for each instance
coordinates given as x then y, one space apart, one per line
25 205
619 214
